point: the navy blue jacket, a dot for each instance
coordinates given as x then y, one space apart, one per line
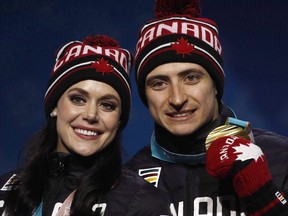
194 192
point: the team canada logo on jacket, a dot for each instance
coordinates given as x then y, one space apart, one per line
9 184
151 175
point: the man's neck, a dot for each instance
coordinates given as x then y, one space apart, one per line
189 144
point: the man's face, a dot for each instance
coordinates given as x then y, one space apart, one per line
181 97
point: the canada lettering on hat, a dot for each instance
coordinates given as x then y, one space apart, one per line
204 30
82 50
179 34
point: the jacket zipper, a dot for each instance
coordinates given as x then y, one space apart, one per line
188 202
60 170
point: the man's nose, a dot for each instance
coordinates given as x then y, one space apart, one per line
177 97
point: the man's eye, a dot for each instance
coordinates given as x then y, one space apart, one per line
191 78
77 99
157 84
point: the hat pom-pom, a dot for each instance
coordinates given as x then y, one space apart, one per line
100 40
188 8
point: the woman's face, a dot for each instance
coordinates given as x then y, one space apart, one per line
88 115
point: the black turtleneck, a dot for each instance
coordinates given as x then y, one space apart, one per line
63 176
193 143
189 144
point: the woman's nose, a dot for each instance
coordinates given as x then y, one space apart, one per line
91 114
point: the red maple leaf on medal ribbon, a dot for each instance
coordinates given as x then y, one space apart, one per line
183 47
103 66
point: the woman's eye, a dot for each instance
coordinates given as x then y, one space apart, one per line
77 99
108 106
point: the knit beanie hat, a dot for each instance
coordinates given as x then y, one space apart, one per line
97 58
178 34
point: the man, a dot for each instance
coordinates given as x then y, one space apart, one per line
180 78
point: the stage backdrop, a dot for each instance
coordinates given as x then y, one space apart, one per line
254 36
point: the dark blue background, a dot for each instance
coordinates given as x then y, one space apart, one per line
253 34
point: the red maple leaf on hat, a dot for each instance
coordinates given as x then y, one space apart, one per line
183 47
103 66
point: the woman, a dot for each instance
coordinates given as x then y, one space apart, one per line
76 158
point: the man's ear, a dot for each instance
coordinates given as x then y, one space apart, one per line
215 89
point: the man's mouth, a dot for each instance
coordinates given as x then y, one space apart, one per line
181 114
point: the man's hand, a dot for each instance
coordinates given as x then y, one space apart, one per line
245 163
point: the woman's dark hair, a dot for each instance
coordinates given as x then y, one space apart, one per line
27 192
28 188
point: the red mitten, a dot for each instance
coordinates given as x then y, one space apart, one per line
245 163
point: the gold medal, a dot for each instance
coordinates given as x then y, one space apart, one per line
232 127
